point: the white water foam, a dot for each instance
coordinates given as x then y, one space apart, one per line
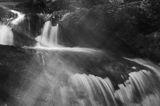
20 17
6 35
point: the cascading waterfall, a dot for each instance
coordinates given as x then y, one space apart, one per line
48 37
89 90
58 85
20 17
6 35
48 40
93 91
141 89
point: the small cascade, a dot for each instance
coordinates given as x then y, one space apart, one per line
81 90
93 91
48 37
147 64
141 88
90 90
6 35
48 40
20 17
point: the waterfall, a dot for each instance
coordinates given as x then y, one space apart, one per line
90 90
48 40
20 17
141 88
48 37
93 91
6 35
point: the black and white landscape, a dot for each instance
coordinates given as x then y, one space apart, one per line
80 53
